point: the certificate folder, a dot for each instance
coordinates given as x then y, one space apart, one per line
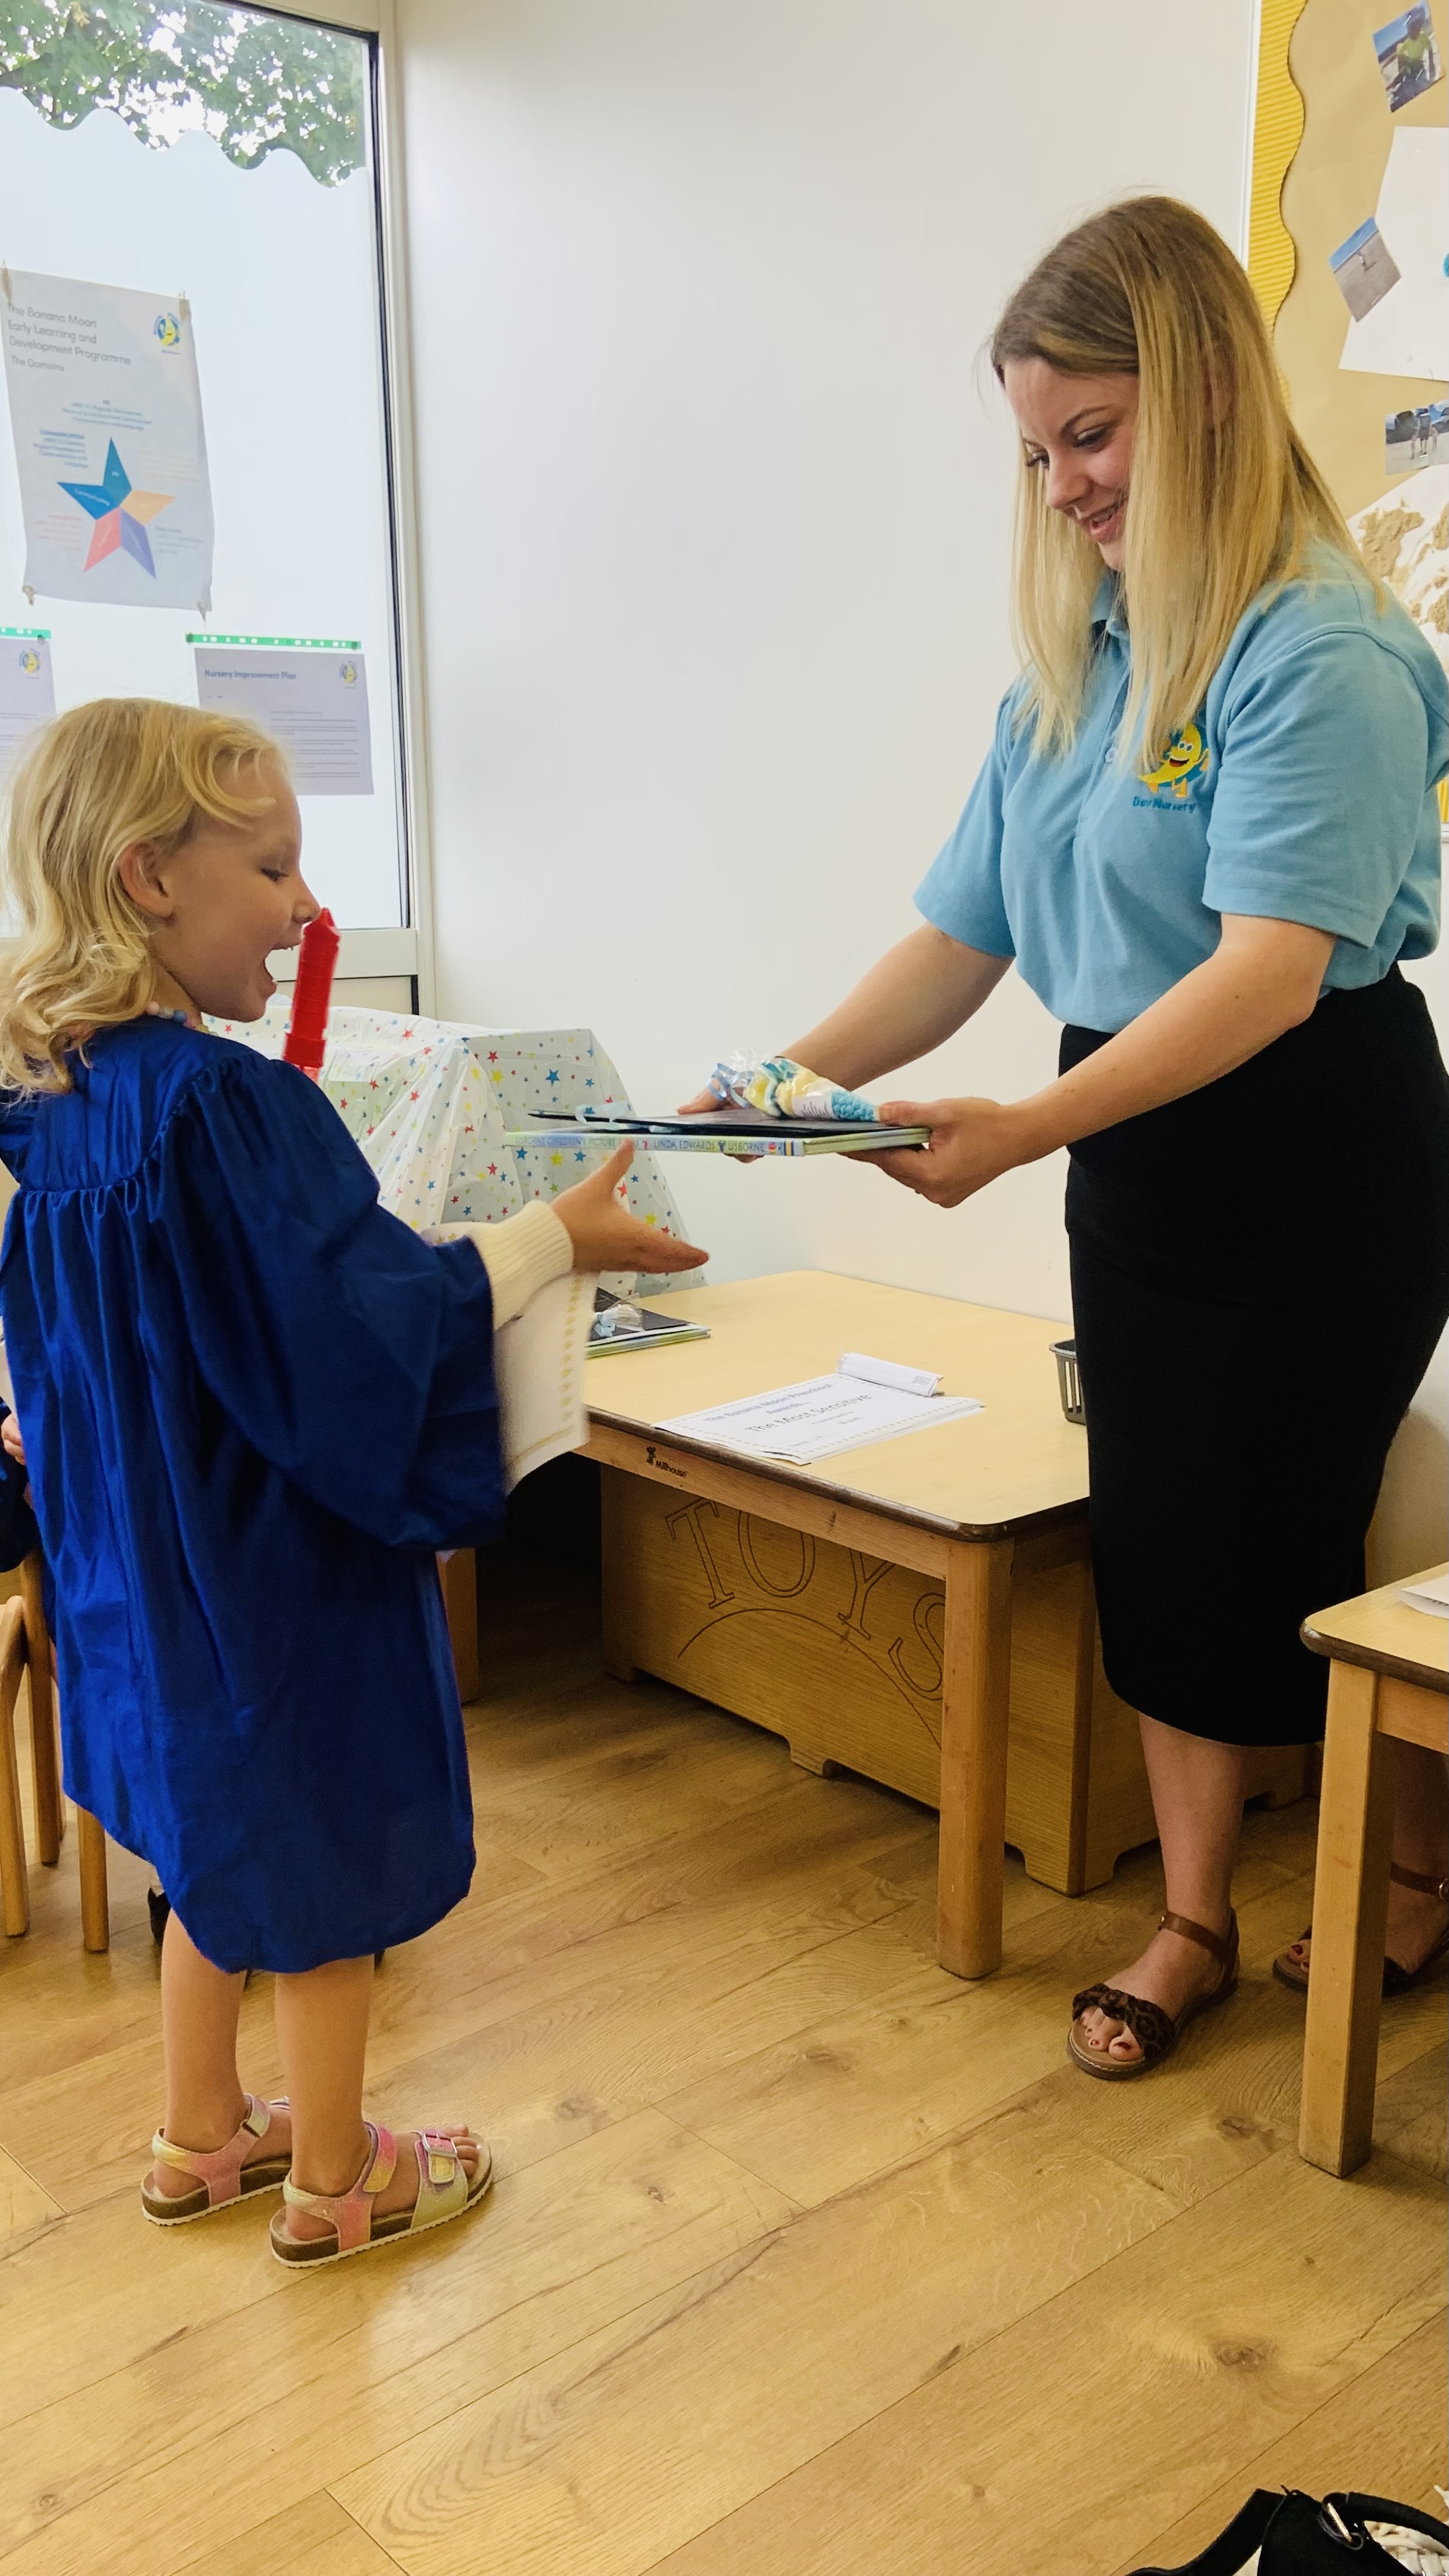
720 1131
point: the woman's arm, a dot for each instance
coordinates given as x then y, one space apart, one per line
922 991
1264 978
919 994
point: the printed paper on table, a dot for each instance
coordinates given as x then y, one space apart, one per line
818 1417
1432 1594
109 444
313 702
27 688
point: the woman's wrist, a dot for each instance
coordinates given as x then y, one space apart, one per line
1037 1125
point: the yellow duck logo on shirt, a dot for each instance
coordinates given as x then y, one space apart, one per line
1186 758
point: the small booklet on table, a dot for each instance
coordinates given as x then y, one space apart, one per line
620 1325
719 1131
860 1402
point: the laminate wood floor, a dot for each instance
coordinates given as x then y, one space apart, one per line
804 2259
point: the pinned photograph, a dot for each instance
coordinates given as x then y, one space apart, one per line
1365 269
1415 438
1408 57
1403 331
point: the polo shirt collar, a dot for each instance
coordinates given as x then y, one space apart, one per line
1107 607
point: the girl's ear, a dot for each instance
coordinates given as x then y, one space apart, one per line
140 868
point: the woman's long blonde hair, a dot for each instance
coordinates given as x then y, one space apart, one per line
1225 497
96 780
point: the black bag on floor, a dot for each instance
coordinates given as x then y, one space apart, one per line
1346 2535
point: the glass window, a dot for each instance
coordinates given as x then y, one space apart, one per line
223 162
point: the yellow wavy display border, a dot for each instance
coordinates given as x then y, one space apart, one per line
1278 116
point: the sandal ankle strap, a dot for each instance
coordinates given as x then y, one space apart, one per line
1223 1948
350 2212
219 2168
1415 1878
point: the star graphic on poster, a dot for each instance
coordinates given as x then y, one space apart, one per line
121 513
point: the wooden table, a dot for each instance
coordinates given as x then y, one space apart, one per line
818 1634
1389 1682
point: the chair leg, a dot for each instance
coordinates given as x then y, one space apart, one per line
94 1891
45 1746
14 1876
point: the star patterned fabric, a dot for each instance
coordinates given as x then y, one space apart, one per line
429 1100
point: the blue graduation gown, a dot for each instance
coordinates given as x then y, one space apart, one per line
254 1404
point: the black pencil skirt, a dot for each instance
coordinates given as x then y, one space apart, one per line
1260 1273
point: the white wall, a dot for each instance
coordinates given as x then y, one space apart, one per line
715 516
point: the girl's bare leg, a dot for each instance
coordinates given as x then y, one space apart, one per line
204 2096
1197 1798
322 2034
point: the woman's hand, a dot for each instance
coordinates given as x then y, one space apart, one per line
607 1236
1263 979
972 1142
921 991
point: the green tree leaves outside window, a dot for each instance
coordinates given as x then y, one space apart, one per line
255 84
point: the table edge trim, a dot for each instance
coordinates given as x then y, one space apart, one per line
1372 1659
777 1471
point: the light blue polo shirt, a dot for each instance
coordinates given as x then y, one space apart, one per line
1304 792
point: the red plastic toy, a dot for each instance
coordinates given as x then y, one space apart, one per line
307 1027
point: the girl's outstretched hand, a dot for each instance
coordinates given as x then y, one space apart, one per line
607 1236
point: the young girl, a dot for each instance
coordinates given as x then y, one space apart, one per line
254 1405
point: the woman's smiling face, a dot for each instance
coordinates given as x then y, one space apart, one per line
1077 431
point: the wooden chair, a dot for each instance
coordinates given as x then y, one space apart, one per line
25 1646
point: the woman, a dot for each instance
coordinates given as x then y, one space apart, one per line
1206 832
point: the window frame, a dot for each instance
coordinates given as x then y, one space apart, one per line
410 951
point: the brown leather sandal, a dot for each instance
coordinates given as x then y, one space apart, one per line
1155 2031
1397 1980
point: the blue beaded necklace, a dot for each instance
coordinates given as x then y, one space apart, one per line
154 1011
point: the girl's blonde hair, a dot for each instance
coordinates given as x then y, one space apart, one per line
96 780
1225 496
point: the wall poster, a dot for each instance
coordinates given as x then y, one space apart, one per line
105 404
